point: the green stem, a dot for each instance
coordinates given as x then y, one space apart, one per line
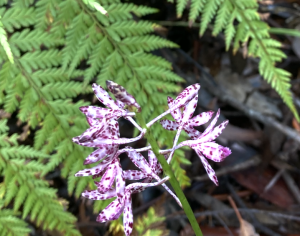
168 172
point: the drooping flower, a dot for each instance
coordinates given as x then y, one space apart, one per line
205 146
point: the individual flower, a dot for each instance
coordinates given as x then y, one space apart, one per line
181 100
120 204
205 146
148 171
184 119
116 108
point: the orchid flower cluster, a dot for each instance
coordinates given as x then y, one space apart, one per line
104 135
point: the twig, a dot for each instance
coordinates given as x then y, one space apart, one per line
229 169
292 185
273 181
255 222
208 82
224 224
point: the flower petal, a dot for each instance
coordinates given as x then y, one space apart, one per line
104 97
169 125
120 181
101 153
193 133
189 109
96 169
127 217
121 94
175 113
212 124
185 96
92 121
112 211
213 134
152 160
200 119
107 179
213 151
134 175
95 195
210 172
138 159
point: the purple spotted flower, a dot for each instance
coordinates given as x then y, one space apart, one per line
185 121
204 145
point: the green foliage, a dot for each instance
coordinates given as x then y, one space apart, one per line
23 188
242 25
144 225
52 42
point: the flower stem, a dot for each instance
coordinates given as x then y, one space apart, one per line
168 172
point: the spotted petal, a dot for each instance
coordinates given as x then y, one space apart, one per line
121 94
127 217
200 119
185 96
107 179
100 112
214 151
101 153
210 172
112 211
169 125
134 175
104 97
189 109
97 169
175 113
193 133
120 181
95 195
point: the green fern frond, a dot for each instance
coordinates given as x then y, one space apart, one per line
144 224
5 44
249 31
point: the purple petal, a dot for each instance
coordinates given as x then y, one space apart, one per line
193 133
152 160
189 109
215 132
210 172
175 113
114 129
169 125
139 161
97 169
92 121
94 112
200 119
112 211
121 94
185 96
101 153
134 175
128 217
107 179
212 124
213 151
95 195
104 97
120 181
